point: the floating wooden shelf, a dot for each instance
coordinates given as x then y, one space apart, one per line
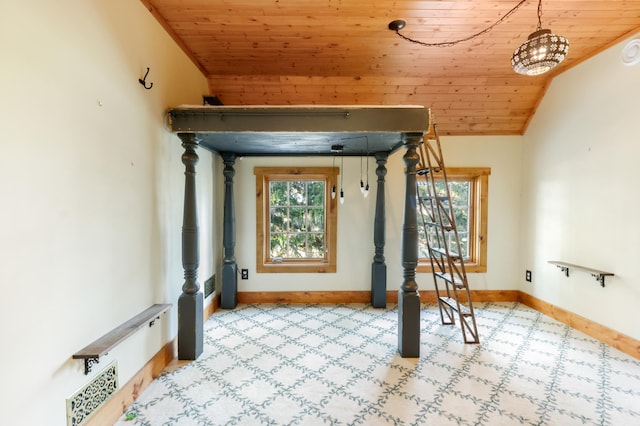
598 274
100 347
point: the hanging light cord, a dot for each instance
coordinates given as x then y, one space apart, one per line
486 30
539 15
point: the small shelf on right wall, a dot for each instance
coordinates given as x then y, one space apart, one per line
598 274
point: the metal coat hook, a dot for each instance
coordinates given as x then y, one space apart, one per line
143 81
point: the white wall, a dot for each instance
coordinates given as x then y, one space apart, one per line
504 155
580 195
356 217
91 189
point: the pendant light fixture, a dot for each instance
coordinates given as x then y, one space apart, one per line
341 179
366 188
541 52
337 149
333 188
361 181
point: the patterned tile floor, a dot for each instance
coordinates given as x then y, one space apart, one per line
338 365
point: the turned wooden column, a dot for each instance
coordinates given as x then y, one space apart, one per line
190 302
408 296
379 267
229 288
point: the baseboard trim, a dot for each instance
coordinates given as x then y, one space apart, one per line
426 296
256 297
212 307
620 341
124 397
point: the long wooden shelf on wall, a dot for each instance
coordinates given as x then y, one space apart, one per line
598 274
91 354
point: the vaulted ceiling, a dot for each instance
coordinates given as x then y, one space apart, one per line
341 52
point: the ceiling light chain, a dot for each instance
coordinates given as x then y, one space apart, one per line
539 14
400 24
541 52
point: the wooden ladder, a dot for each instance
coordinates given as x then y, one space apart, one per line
443 243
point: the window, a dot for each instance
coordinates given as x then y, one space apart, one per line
296 220
469 189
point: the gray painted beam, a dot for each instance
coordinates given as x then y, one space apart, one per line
379 267
190 302
408 296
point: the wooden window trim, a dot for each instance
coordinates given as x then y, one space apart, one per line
479 177
266 174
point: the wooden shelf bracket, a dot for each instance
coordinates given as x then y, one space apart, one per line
596 273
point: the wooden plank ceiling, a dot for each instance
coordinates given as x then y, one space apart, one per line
341 52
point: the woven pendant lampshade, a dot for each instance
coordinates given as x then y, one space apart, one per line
540 53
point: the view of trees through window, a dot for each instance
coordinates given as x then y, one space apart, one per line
296 225
460 191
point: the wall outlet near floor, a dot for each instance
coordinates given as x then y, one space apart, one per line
527 276
244 274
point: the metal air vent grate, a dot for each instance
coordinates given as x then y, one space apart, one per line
86 401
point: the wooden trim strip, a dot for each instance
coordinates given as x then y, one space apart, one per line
426 296
212 307
599 332
304 297
176 38
118 404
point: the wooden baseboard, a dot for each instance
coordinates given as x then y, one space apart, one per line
304 297
426 296
124 397
212 307
599 332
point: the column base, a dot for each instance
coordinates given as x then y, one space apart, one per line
379 285
409 324
229 288
190 325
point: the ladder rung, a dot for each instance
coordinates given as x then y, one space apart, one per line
443 226
453 305
425 170
448 278
431 197
442 252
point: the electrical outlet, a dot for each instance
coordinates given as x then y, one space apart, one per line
244 274
527 276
